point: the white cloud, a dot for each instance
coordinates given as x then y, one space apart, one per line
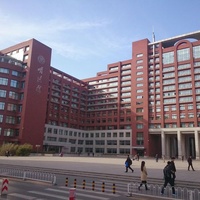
71 39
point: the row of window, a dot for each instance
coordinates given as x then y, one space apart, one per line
9 132
174 125
13 83
182 55
11 119
87 135
89 142
13 72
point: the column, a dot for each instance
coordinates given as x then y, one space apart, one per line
163 143
196 139
179 144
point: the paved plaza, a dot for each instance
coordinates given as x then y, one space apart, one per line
108 165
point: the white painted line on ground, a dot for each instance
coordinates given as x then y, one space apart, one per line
22 196
87 191
50 195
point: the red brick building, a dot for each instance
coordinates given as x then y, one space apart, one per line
149 104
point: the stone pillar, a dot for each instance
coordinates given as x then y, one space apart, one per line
163 143
196 136
179 144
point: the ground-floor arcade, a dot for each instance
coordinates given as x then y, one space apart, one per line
178 142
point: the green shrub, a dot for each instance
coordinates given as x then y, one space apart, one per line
12 148
24 150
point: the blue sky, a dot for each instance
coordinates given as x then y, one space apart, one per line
87 35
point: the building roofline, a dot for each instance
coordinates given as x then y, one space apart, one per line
171 41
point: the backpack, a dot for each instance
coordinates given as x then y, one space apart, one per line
167 171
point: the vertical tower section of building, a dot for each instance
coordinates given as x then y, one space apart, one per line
36 56
139 97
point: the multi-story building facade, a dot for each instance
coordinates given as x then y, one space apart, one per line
149 104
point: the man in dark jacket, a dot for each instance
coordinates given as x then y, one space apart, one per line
128 164
190 163
168 176
173 170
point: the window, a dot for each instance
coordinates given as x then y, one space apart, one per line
2 105
100 142
9 132
10 119
1 119
196 52
168 57
15 73
140 138
183 124
190 107
139 97
14 83
182 115
55 131
139 126
11 107
173 108
49 130
185 99
190 115
139 55
97 135
114 134
3 93
186 85
102 134
3 81
124 142
138 91
182 107
183 54
140 67
167 75
140 79
60 132
139 110
128 134
174 116
87 142
121 134
138 118
184 66
111 142
139 85
113 68
80 141
139 73
167 69
3 70
168 81
108 134
184 72
139 61
112 150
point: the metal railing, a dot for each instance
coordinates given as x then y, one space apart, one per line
29 175
155 190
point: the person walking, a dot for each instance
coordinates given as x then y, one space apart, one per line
168 177
173 170
156 157
128 164
190 163
143 176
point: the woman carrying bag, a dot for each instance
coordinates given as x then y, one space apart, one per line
143 176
